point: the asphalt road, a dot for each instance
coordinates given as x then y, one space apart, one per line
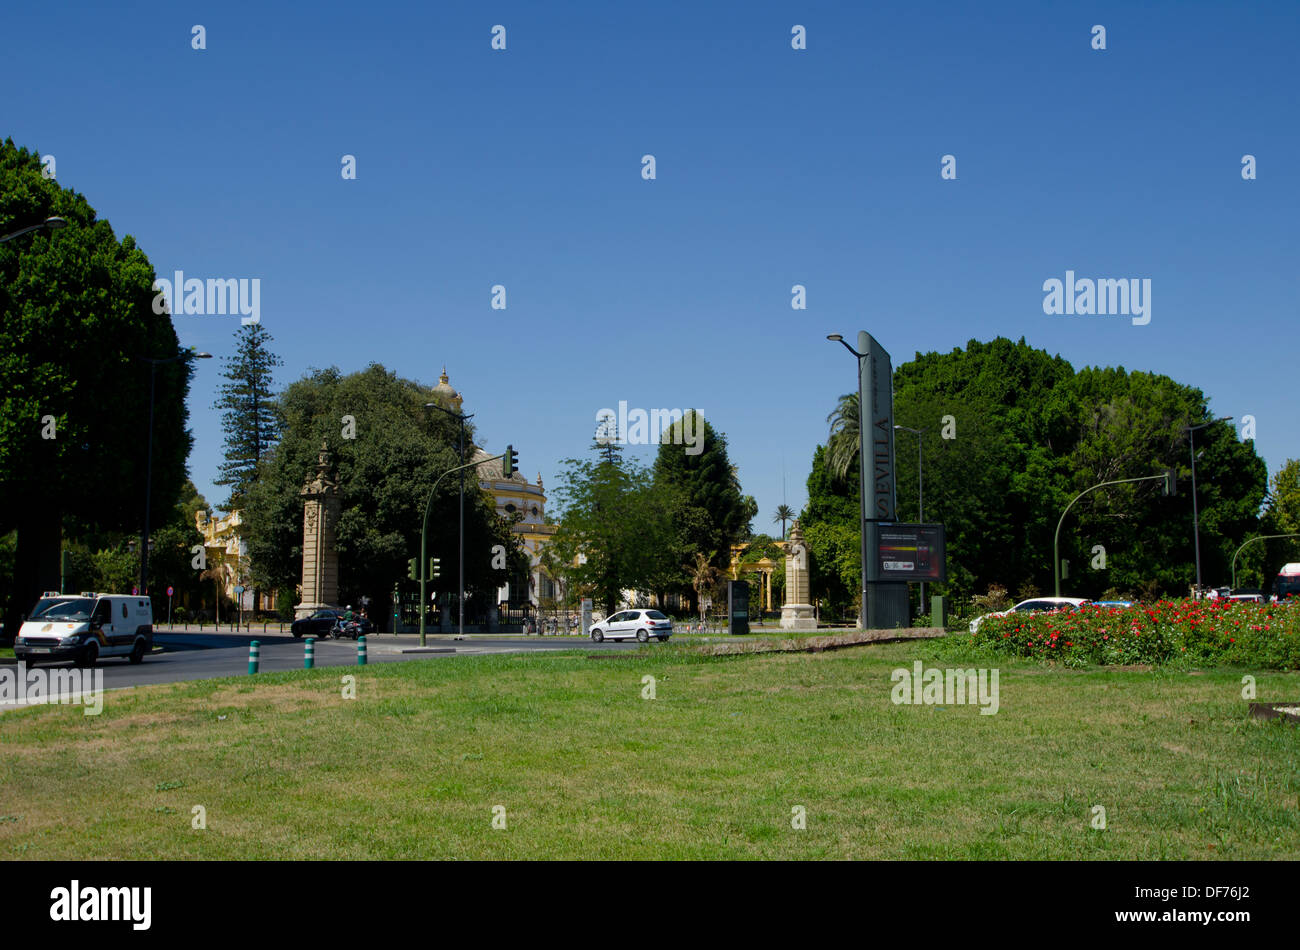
196 656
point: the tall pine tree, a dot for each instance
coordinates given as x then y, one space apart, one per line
250 414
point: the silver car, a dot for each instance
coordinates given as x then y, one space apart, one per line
626 624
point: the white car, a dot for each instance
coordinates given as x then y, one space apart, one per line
1033 606
626 624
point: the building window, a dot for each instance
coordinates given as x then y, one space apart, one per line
510 509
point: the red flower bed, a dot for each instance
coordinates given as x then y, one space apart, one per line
1206 632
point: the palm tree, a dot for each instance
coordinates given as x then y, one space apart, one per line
842 446
704 577
783 514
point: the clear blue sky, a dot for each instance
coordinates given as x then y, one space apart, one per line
775 167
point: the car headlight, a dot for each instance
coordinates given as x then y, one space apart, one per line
21 642
70 641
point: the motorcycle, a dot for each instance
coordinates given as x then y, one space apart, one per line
345 629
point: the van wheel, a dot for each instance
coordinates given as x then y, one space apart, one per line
89 655
643 636
137 652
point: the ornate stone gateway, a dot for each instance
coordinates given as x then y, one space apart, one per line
320 560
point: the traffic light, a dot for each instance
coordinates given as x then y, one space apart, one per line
411 567
435 567
510 464
1171 482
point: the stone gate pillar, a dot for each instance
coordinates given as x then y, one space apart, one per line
797 613
320 560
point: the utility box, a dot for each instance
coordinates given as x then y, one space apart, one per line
938 616
737 607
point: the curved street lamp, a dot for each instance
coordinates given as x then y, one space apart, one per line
51 224
1262 537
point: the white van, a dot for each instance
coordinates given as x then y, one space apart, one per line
87 627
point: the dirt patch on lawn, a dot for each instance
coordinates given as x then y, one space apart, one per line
837 641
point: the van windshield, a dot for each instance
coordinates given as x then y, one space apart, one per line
43 605
76 609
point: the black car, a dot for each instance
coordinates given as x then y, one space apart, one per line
322 622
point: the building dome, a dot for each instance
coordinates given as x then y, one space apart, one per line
443 392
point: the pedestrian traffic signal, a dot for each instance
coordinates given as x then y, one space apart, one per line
411 567
510 464
1171 482
435 567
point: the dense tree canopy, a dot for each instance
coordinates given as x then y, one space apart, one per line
78 315
386 460
1011 436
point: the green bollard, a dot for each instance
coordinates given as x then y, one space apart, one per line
361 650
309 657
254 654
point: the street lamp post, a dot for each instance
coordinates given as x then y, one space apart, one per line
424 535
51 224
1262 537
460 560
148 467
1056 538
920 488
862 476
1196 526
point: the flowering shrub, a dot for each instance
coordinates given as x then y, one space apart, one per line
1206 632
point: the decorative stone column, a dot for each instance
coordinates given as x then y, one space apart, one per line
320 559
797 613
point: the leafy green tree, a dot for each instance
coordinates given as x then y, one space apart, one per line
172 559
614 531
1259 562
385 474
710 513
783 514
78 312
250 415
1283 504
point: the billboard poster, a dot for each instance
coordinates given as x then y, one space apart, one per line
907 552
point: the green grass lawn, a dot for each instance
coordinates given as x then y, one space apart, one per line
711 768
